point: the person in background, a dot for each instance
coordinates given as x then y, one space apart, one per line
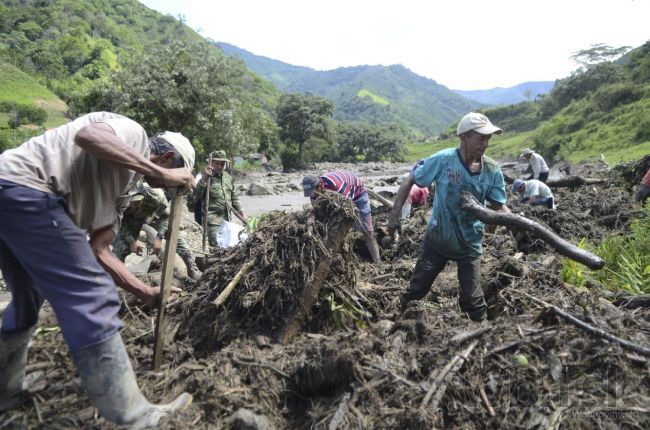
534 192
223 195
417 198
537 165
453 233
56 191
644 190
150 206
350 186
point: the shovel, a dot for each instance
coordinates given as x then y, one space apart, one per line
167 274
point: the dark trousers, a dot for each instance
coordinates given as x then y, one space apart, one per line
543 177
430 264
44 255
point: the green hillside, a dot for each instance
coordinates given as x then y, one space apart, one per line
373 94
121 56
17 86
600 110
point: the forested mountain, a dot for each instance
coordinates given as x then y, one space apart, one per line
372 94
527 91
120 55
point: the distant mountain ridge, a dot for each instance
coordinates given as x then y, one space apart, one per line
374 94
528 91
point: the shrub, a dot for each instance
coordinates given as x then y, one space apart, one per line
610 96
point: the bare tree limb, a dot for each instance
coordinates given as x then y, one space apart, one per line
588 327
488 216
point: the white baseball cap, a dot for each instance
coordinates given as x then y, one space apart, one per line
182 146
478 123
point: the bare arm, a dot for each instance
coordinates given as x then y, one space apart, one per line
400 199
99 242
100 141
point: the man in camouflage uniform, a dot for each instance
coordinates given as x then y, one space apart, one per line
150 206
223 195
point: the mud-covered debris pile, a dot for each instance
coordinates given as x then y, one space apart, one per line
280 260
428 367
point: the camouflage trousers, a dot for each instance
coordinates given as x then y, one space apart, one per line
122 248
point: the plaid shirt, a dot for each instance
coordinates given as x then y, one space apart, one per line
344 183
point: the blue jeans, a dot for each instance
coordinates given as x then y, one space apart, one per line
44 255
363 205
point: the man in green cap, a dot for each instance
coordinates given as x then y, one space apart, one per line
223 198
150 206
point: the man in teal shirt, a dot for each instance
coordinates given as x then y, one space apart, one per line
453 233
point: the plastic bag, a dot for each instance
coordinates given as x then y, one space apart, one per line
230 234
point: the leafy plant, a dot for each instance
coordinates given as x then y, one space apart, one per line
573 272
345 312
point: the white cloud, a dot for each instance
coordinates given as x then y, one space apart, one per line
470 44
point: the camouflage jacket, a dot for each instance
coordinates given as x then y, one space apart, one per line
154 211
222 194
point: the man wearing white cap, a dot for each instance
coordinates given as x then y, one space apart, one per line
56 190
453 233
537 165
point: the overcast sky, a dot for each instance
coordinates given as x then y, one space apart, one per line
462 44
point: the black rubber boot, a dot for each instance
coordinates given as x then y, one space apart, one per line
13 359
109 380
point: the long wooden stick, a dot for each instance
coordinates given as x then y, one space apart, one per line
167 275
204 220
232 284
588 327
438 386
384 201
488 216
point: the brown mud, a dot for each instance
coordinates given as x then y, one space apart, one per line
358 363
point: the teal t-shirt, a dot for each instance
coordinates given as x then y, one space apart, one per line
452 231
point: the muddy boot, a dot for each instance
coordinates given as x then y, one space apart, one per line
373 248
13 359
193 271
108 378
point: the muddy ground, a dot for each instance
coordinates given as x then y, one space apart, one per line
355 361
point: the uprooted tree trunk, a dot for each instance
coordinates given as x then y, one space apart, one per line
508 219
575 182
308 296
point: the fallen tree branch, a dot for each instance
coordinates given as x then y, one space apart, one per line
574 182
640 301
486 402
508 219
384 201
463 337
588 327
232 284
438 386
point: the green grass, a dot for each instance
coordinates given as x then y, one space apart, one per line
17 86
374 97
504 147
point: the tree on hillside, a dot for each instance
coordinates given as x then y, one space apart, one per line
183 88
371 143
596 54
301 117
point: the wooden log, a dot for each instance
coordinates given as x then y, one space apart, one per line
632 302
383 200
575 182
204 220
307 298
508 219
167 275
232 284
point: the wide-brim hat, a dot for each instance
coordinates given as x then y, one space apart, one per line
526 151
